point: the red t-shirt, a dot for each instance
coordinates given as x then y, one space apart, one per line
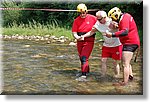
84 24
127 22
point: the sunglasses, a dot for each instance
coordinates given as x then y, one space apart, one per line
100 19
82 12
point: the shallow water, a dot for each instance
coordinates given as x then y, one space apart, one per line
35 67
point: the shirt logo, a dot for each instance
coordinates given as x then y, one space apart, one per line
117 53
87 22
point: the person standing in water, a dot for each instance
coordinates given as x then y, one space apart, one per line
112 48
81 25
128 35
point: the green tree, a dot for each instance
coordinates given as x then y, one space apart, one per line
10 16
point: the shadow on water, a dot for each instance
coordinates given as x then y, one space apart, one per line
34 67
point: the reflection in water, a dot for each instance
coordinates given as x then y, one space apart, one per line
32 67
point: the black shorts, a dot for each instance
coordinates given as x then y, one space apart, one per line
130 48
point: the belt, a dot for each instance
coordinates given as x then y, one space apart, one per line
81 33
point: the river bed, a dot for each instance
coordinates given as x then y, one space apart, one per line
36 67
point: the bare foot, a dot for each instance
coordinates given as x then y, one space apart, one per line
116 76
120 84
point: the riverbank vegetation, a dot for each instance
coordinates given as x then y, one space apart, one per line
40 22
37 29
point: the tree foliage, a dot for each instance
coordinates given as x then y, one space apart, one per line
63 19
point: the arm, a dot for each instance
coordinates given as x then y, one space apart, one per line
74 30
123 32
124 29
76 36
90 33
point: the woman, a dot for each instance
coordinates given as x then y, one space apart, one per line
129 37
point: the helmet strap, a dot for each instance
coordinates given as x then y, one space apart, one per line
119 18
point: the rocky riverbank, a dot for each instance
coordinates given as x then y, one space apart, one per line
47 38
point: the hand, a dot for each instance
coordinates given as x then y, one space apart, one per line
81 38
108 34
104 34
113 25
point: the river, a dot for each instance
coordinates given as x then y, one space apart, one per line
36 67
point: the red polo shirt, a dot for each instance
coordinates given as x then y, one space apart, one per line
84 24
127 22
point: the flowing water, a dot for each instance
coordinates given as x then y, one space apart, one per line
35 67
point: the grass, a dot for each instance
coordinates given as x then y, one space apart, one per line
37 29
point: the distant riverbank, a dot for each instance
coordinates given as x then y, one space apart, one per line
47 38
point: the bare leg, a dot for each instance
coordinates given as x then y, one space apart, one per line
104 66
130 70
130 73
127 56
116 68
